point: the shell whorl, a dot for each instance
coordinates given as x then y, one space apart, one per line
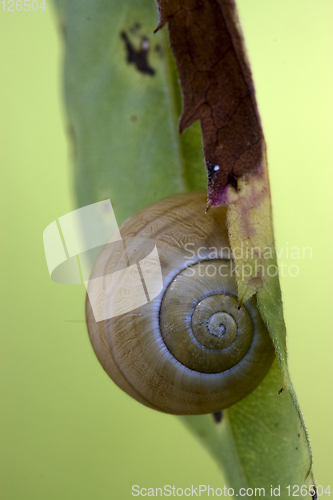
193 349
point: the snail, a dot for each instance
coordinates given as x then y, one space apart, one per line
193 349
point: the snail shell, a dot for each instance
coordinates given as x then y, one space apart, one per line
193 349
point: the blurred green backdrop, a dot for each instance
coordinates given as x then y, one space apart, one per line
66 431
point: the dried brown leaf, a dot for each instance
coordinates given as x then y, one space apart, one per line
217 88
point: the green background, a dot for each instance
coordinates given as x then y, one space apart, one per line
66 431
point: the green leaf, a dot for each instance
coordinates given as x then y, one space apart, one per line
260 441
123 125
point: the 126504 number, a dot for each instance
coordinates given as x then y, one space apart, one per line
303 491
13 6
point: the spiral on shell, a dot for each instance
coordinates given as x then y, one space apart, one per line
193 349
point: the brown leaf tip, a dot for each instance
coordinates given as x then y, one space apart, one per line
217 190
217 88
212 170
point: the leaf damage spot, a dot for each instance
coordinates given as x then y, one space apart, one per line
314 494
218 416
136 27
159 50
138 57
